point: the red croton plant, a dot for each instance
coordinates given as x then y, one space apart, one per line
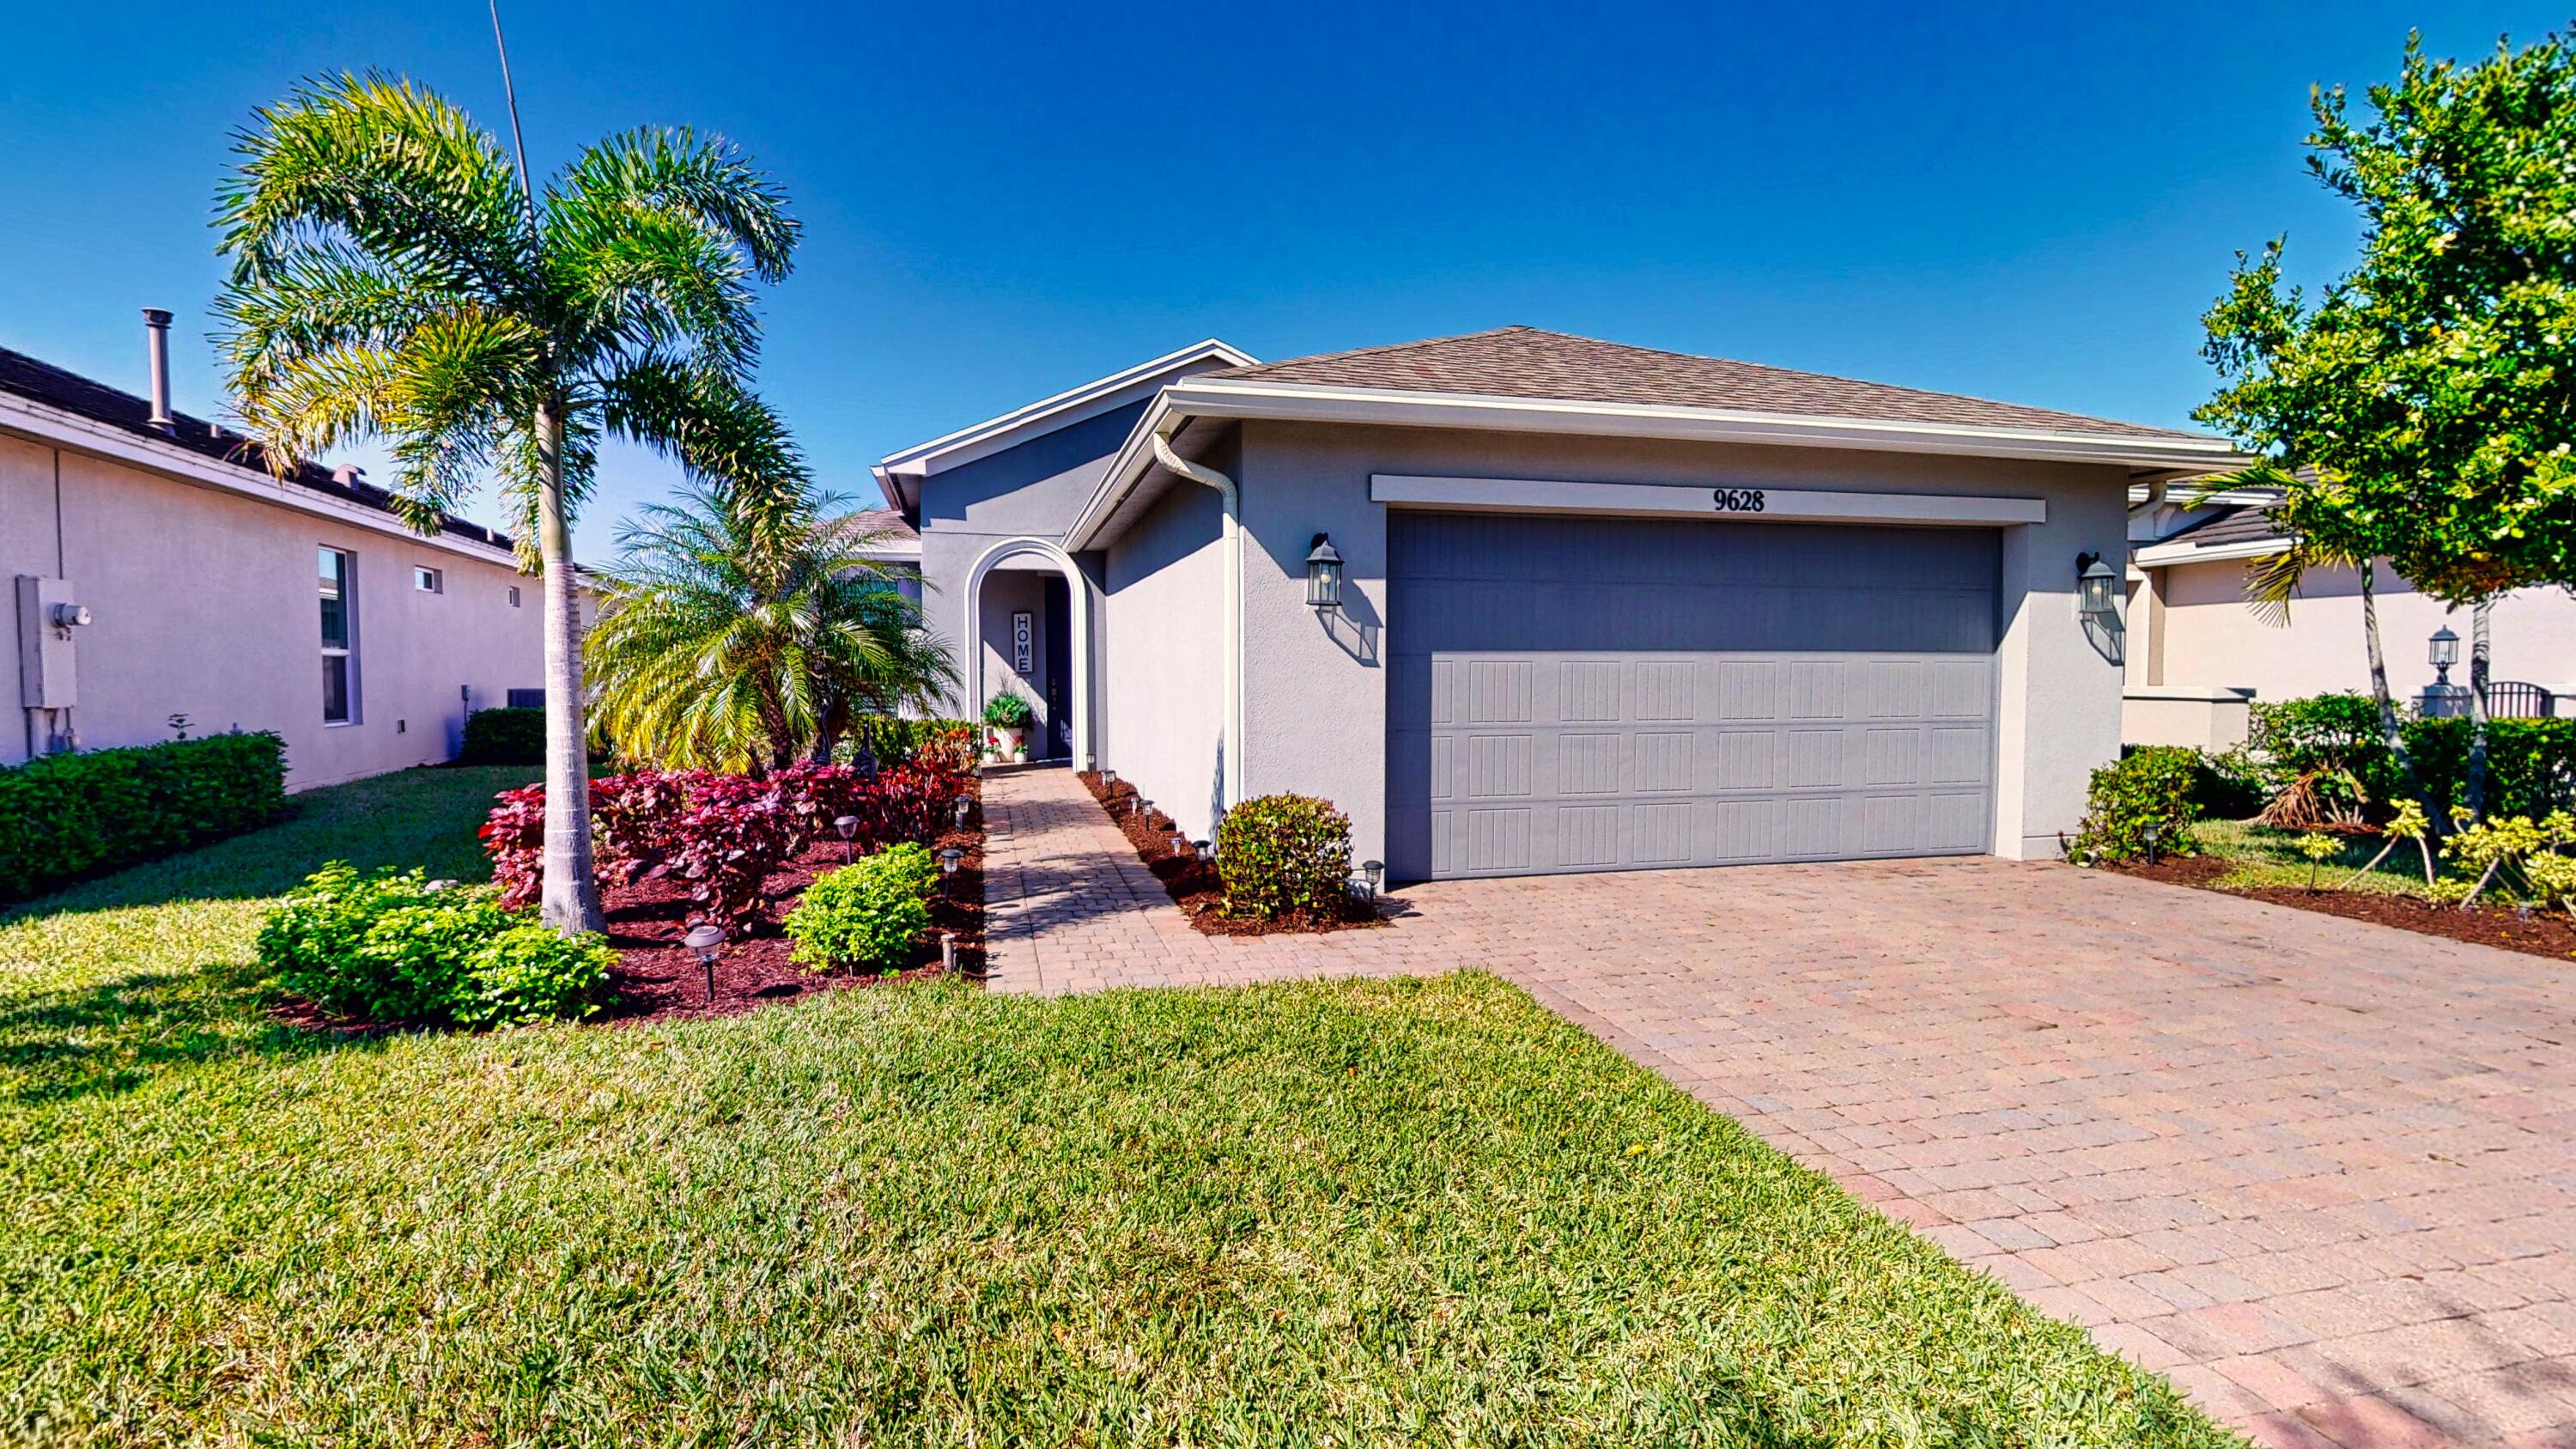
725 834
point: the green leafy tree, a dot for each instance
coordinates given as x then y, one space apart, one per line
393 278
749 627
2429 390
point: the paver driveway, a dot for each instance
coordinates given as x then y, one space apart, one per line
2321 1173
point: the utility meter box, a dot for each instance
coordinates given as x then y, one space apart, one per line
49 620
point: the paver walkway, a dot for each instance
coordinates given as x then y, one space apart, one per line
2321 1173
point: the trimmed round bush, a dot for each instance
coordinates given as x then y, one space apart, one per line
504 737
2152 785
865 915
1284 855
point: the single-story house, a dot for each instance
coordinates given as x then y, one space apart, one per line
1596 607
161 570
2200 656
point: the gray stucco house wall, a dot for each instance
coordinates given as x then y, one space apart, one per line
1882 494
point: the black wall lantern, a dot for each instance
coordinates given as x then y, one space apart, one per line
1323 576
2097 590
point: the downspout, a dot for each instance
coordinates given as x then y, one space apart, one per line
1230 549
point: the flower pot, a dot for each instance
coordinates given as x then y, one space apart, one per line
1010 744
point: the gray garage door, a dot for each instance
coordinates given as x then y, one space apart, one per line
1577 694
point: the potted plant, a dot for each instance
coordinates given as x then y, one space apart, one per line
1006 722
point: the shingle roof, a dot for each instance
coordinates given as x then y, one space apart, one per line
2242 523
1524 362
41 381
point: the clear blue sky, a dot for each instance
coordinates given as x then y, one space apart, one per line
2024 202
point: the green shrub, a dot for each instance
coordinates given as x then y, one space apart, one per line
63 817
2227 784
531 972
1284 855
896 741
2149 786
390 948
865 915
2332 741
2531 764
504 737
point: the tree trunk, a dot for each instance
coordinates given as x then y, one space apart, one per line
2390 736
2481 652
570 900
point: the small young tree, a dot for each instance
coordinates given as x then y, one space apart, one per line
2427 390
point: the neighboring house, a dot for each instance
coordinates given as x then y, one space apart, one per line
215 590
1600 607
2199 655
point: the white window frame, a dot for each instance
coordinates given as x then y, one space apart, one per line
427 580
347 648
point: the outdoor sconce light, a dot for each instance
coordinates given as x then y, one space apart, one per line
2444 652
948 866
2097 590
848 828
1370 870
1323 576
706 943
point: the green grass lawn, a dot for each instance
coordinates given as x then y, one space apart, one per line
2261 856
1312 1214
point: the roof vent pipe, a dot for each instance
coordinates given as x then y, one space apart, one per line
156 337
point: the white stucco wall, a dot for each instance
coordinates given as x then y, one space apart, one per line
1316 697
1007 591
207 604
1163 661
2209 636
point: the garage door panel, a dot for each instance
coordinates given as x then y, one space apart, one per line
1584 694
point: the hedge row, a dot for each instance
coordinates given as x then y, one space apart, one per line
63 817
2531 763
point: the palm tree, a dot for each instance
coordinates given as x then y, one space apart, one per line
391 278
745 629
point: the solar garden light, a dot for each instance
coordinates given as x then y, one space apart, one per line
948 866
706 942
2155 831
1180 845
1323 576
1203 849
1370 870
848 827
1144 809
965 807
1109 779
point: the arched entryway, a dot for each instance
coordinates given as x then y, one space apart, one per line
1034 554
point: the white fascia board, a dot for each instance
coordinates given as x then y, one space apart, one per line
2159 555
982 440
1225 398
1666 500
886 485
58 429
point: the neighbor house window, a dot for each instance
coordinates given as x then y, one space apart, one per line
428 581
514 596
338 636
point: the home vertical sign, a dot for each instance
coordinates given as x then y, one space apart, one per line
1022 635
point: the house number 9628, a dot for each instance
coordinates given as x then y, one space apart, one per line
1739 500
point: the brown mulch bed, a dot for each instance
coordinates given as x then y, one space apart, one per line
656 977
1193 884
2544 933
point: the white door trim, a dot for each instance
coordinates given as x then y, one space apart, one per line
1078 648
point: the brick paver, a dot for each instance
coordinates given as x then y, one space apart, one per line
2321 1173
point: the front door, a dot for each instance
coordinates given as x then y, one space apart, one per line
1056 634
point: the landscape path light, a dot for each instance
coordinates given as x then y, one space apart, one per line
1370 871
848 828
706 942
948 866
